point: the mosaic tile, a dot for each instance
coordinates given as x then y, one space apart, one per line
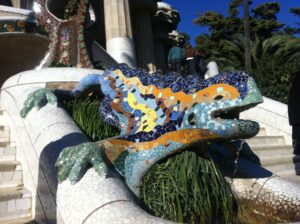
158 114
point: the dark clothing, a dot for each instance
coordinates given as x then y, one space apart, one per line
200 66
175 58
296 146
189 58
175 53
191 66
294 101
294 112
296 139
176 65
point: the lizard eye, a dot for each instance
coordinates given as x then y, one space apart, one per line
219 97
192 119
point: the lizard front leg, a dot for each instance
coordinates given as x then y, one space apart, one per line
43 96
73 162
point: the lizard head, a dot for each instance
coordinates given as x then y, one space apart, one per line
218 106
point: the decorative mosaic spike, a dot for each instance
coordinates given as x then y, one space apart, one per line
66 36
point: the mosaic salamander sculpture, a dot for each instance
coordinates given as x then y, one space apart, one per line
157 115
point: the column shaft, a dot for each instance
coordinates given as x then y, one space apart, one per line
118 31
144 41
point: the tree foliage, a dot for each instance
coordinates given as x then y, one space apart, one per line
274 78
233 7
294 30
267 10
282 48
272 42
263 23
295 11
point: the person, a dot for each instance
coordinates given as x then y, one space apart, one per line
175 58
294 112
189 58
199 63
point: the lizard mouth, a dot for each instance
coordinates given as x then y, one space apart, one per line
239 128
230 113
228 117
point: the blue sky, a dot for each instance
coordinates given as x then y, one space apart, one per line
190 8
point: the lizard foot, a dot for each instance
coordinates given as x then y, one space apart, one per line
38 98
74 161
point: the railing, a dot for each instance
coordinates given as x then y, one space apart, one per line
12 11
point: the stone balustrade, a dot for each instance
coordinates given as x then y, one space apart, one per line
273 116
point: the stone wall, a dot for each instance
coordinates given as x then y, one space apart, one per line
273 116
23 51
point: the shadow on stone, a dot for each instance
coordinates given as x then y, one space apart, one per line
296 161
248 164
47 177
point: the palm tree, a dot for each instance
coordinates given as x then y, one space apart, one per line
281 48
275 61
247 36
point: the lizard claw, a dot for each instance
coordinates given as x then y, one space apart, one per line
74 161
38 98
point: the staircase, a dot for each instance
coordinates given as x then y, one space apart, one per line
15 199
275 155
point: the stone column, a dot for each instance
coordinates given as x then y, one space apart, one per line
161 29
164 21
16 3
118 31
160 54
144 41
26 4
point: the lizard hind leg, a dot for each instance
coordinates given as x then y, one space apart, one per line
74 161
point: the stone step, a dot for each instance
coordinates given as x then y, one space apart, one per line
15 204
11 174
4 119
27 220
283 167
272 150
274 160
4 134
4 127
291 176
266 140
262 132
7 143
8 153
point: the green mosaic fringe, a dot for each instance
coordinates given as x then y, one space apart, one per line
188 188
